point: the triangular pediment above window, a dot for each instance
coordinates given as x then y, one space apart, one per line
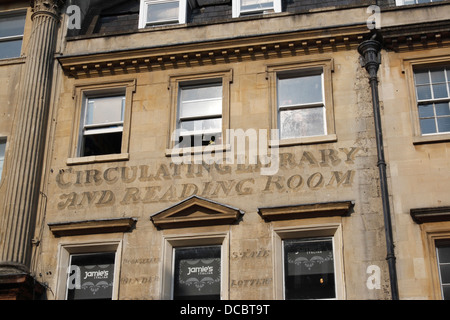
195 211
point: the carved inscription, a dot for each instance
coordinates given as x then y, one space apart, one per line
250 254
327 168
250 283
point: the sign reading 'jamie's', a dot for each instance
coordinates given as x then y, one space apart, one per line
170 182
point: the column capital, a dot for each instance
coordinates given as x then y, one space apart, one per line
51 7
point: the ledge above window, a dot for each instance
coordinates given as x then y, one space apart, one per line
303 211
74 228
436 214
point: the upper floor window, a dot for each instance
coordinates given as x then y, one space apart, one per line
433 99
102 122
200 114
11 34
301 108
102 125
406 2
247 7
199 111
158 12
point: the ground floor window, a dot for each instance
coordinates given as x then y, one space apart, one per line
309 269
197 273
91 276
443 259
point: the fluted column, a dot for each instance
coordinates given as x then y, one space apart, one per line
28 142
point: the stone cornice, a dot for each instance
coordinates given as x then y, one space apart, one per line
213 52
74 228
303 211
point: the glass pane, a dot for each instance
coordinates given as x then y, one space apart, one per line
201 93
428 126
442 109
204 125
201 101
101 144
201 108
444 254
12 25
440 91
251 5
197 273
91 276
167 11
446 292
422 77
423 92
445 273
443 124
437 75
426 111
105 110
199 140
302 123
309 269
10 49
300 90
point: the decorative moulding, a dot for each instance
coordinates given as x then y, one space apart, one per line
195 211
303 211
436 214
73 228
299 43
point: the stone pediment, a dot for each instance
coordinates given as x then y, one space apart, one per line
195 211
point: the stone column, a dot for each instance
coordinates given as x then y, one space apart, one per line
28 140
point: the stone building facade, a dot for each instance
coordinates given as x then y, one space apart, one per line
228 149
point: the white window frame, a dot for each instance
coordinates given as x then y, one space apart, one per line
68 249
4 141
236 11
180 119
104 128
402 2
433 100
331 230
327 67
175 82
81 93
15 37
316 105
143 21
189 240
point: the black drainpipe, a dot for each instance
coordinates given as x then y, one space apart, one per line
371 60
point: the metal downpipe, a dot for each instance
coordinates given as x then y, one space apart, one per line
371 60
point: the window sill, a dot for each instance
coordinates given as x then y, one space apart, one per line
445 137
98 159
197 150
304 141
11 61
